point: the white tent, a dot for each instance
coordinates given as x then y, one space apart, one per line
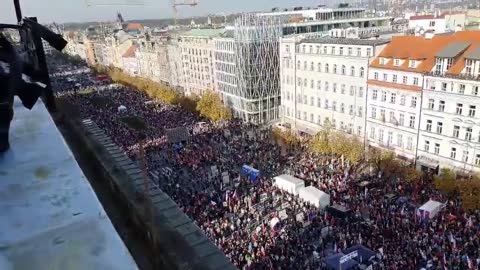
430 209
314 196
289 183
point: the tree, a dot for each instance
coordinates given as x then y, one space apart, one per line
412 175
446 182
469 190
321 141
210 106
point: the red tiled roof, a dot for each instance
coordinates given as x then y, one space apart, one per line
130 52
424 50
134 26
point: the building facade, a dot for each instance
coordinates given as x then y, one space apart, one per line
197 48
450 128
175 64
148 64
324 81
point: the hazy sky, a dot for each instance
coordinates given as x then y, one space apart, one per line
86 10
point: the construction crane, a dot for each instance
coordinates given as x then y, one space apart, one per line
176 3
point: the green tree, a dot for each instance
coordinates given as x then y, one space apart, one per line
446 182
469 191
210 106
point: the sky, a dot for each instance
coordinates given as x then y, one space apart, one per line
61 11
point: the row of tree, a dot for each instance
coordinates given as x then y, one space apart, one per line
466 189
208 105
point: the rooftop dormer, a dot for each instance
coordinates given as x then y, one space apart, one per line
445 58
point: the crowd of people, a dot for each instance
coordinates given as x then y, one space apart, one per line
203 176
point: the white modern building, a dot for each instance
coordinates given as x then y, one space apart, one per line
197 48
324 80
433 23
450 124
395 81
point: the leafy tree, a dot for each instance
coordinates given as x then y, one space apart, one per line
321 141
412 175
287 136
446 182
210 106
469 190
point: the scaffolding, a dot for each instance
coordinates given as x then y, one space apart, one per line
258 69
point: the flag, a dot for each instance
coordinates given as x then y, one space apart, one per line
470 222
444 259
452 240
335 247
469 262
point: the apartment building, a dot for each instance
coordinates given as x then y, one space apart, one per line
324 81
175 64
130 62
450 124
395 81
148 62
197 48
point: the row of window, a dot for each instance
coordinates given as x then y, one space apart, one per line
326 68
394 79
393 98
332 50
392 118
455 132
453 152
353 90
333 106
458 88
472 109
389 143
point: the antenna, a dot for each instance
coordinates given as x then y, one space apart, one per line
176 3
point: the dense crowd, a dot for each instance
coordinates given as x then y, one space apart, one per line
203 176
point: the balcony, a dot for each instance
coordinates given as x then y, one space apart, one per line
454 76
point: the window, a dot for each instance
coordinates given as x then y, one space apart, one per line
334 106
436 150
319 102
359 131
401 119
412 121
456 131
394 78
372 133
334 87
342 108
402 100
382 115
369 52
397 62
350 112
287 48
375 75
352 90
400 140
390 138
326 104
312 65
342 89
362 72
471 111
414 102
468 134
404 79
305 65
335 69
374 112
459 108
410 143
384 96
411 64
439 127
326 86
374 94
312 101
305 116
444 86
415 81
305 82
312 84
441 106
431 104
426 146
359 51
319 119
303 49
325 50
350 51
468 66
432 23
429 126
360 111
393 98
310 49
360 92
327 68
453 153
341 51
465 156
382 61
385 76
352 71
438 65
319 85
311 118
380 136
319 67
305 100
461 89
391 117
475 90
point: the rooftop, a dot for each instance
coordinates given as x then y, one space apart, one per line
50 216
347 41
207 32
130 52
